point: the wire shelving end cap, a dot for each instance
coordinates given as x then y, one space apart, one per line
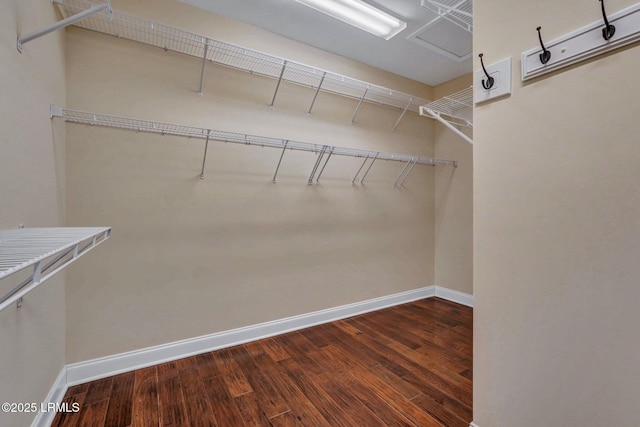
55 111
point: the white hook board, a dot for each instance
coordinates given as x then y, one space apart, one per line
583 43
501 73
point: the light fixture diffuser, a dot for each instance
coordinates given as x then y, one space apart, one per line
359 14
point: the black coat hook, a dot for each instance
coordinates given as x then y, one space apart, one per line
545 56
609 30
486 84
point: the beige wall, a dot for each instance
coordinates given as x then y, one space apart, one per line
191 257
31 193
556 225
454 202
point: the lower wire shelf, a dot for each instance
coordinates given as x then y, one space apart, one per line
142 125
46 251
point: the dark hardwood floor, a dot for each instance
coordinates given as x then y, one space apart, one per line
408 365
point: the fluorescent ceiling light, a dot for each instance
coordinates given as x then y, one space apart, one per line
359 14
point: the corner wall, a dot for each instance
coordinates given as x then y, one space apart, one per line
32 338
556 225
190 257
454 202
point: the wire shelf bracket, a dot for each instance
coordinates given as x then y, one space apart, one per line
69 20
46 251
135 28
452 110
141 125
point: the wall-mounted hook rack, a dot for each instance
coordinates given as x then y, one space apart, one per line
488 83
584 43
545 56
609 30
500 73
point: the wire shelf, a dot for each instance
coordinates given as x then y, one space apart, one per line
459 12
141 125
457 107
47 250
131 27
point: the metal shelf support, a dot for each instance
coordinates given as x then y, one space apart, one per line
402 115
407 174
455 109
22 40
280 161
395 183
368 169
353 181
439 118
46 251
204 65
317 91
359 104
273 100
204 158
325 165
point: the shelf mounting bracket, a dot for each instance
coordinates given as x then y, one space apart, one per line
22 40
369 168
353 181
359 104
204 65
437 116
395 184
315 167
273 100
402 115
206 147
325 165
316 94
284 148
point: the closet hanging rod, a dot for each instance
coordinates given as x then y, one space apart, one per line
135 28
141 125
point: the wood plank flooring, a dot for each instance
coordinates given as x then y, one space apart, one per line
408 365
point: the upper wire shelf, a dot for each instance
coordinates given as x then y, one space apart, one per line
141 125
131 27
459 12
456 108
47 250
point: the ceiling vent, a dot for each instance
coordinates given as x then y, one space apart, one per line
446 38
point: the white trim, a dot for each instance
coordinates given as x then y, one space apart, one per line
56 394
91 370
454 296
473 424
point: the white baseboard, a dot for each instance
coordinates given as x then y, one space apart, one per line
473 424
56 394
454 296
91 370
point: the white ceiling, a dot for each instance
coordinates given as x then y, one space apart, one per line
415 59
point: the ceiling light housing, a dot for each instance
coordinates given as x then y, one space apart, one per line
359 14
